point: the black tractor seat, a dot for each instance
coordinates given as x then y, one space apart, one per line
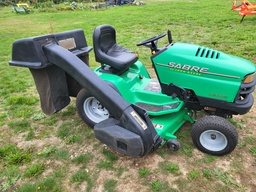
108 52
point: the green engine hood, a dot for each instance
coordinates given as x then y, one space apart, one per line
210 73
204 60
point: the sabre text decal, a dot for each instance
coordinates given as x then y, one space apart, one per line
188 67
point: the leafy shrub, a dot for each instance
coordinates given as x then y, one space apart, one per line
63 7
43 5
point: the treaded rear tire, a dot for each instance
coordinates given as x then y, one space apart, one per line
214 135
90 109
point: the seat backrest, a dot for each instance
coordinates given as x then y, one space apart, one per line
108 52
104 38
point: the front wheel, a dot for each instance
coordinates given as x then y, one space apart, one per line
90 109
214 135
173 145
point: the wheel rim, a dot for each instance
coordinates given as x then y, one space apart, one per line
213 140
94 110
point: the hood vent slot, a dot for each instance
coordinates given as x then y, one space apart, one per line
207 53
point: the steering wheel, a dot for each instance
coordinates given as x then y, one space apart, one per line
152 39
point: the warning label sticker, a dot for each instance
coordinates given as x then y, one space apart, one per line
158 126
139 120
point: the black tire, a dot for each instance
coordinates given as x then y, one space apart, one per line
214 135
173 145
89 108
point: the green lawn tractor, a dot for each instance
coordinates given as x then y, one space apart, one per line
129 111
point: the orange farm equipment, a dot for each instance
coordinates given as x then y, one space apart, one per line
246 8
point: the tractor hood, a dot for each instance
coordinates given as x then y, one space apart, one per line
203 60
208 72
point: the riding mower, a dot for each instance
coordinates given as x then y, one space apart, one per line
129 111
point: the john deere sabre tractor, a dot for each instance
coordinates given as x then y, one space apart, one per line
129 111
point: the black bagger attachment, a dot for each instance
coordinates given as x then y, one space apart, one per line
53 84
130 130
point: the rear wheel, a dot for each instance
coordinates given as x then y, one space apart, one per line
90 109
214 135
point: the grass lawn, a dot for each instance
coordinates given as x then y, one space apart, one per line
59 152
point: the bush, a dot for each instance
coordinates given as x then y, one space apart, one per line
63 7
43 5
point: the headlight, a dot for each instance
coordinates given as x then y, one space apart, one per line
249 78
